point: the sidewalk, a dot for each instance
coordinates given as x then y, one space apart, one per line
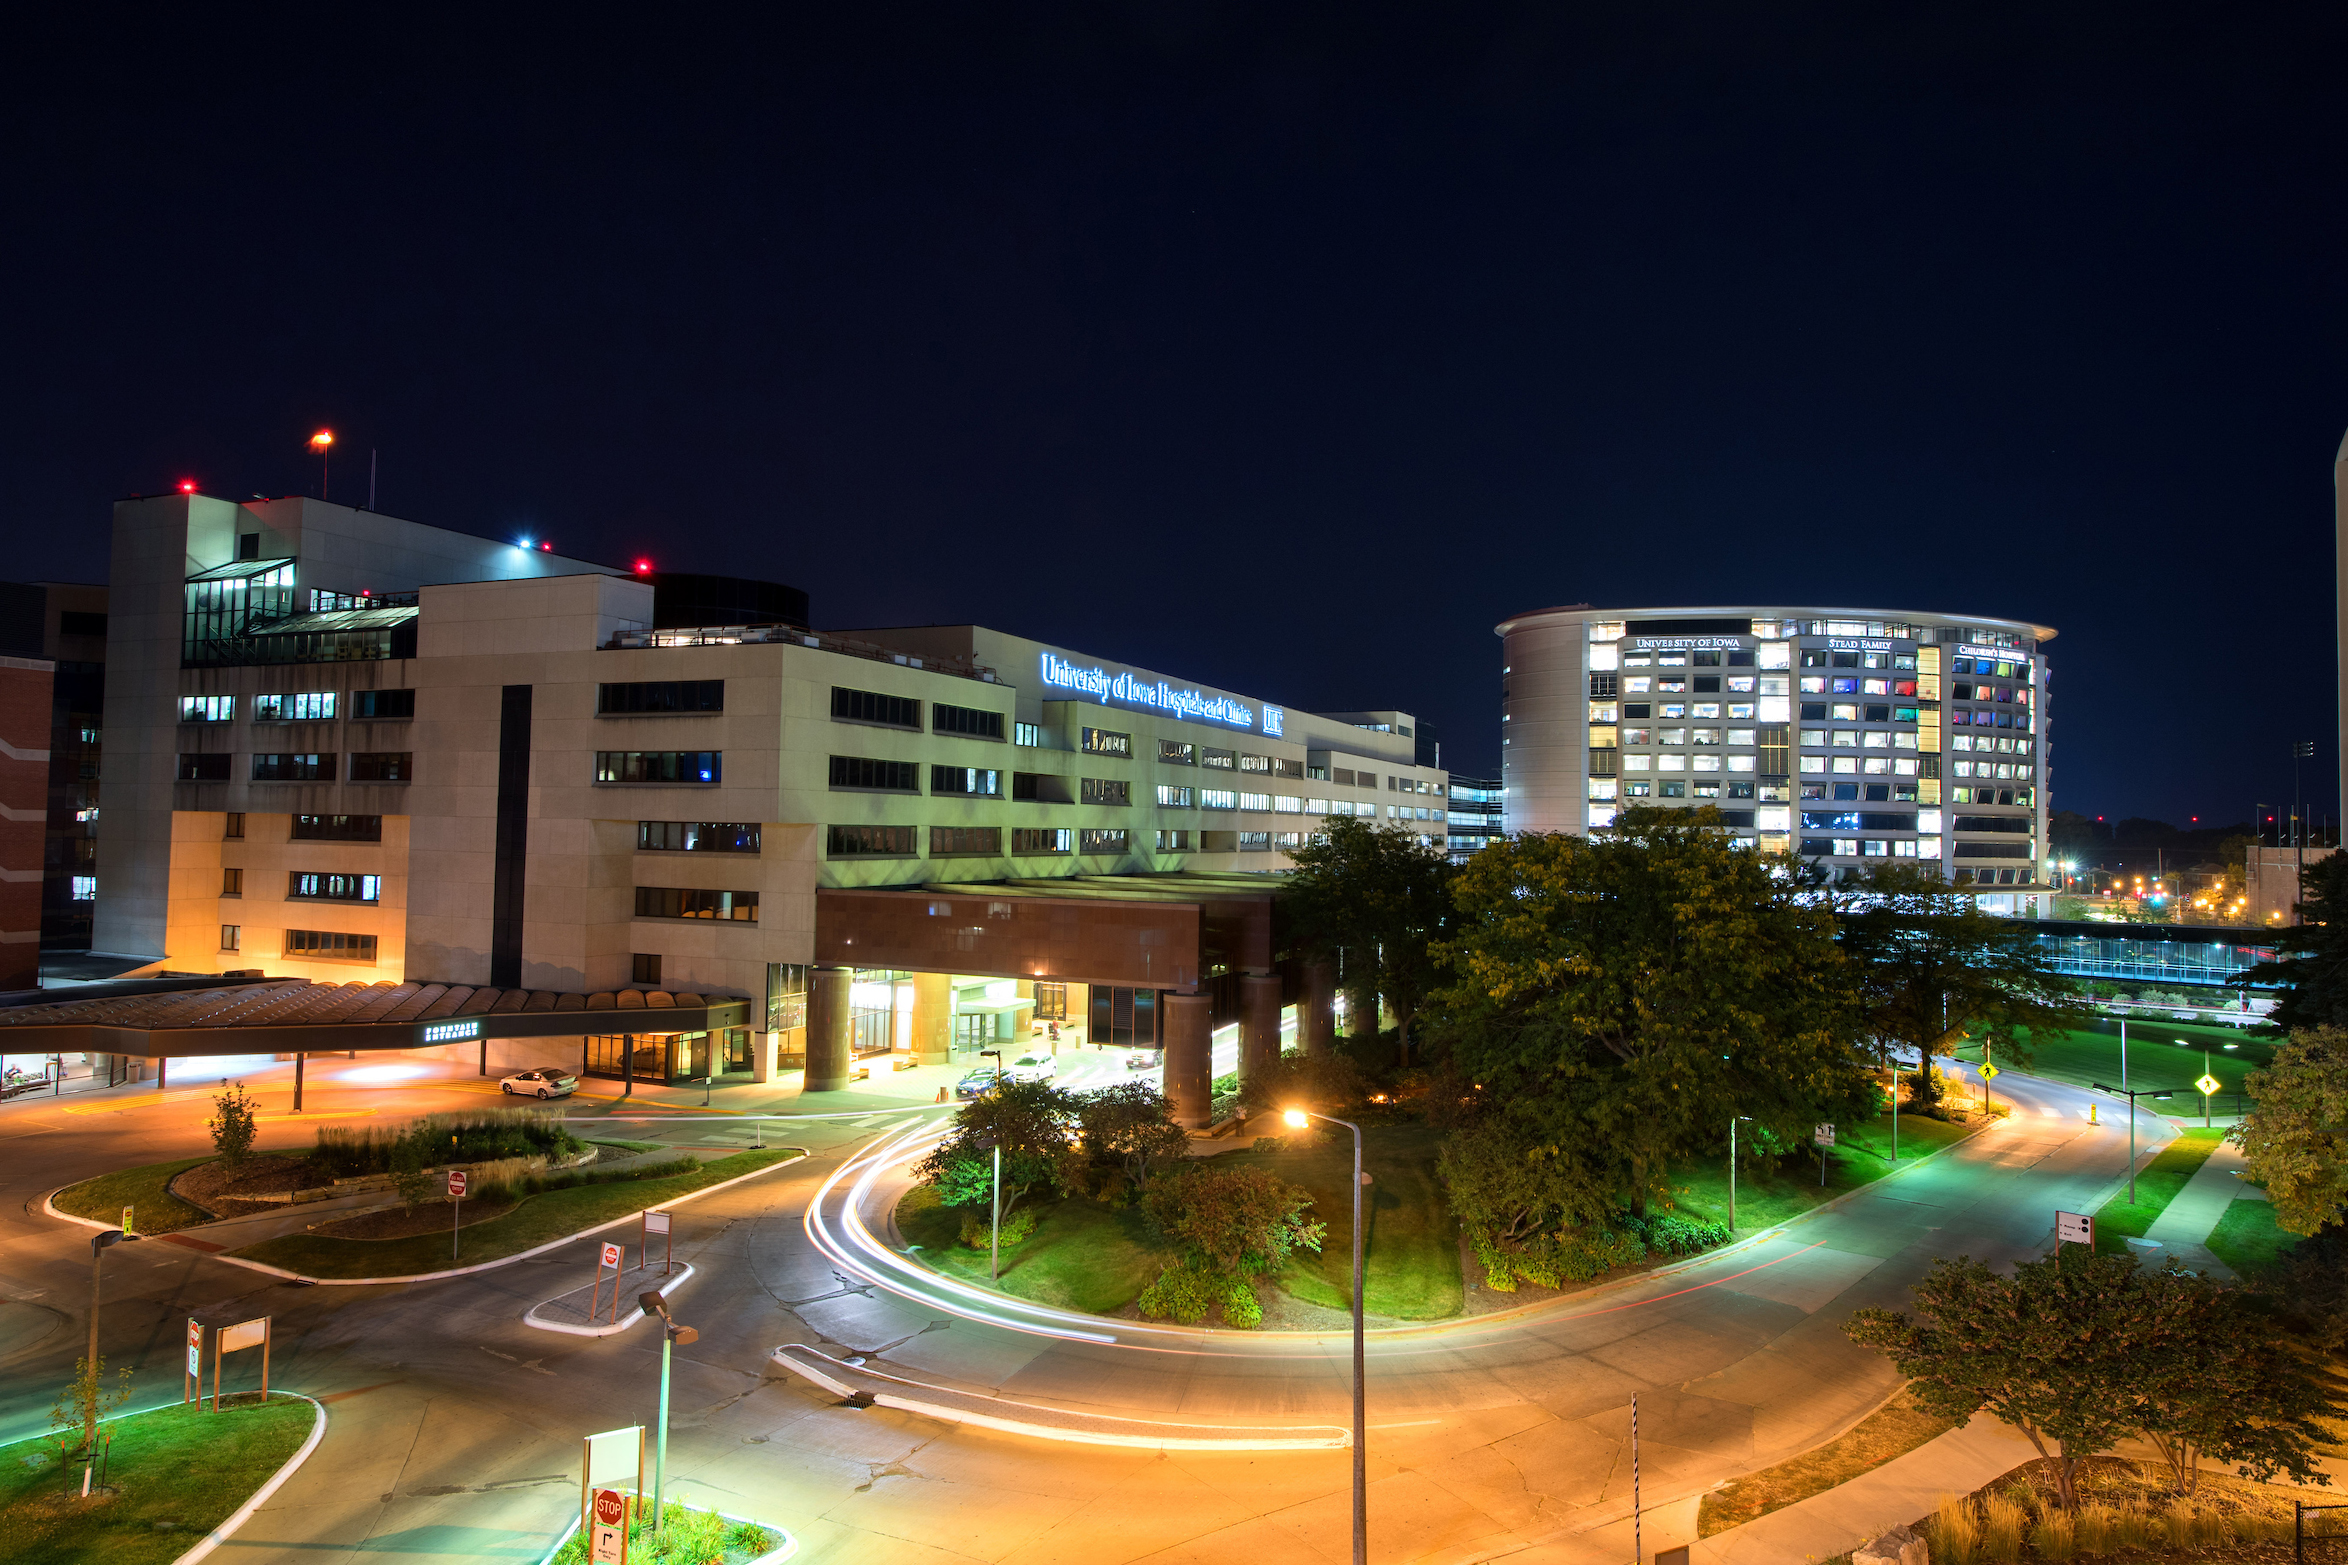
2182 1230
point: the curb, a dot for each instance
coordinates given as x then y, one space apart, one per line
774 1556
243 1513
460 1271
530 1317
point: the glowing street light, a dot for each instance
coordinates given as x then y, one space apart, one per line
1299 1119
323 444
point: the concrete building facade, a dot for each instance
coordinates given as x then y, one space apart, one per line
1840 735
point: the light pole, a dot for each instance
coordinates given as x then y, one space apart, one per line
100 1243
671 1334
1298 1119
994 1229
1733 1121
2154 1093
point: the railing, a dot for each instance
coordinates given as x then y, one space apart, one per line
791 635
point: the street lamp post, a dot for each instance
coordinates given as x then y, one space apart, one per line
1733 1121
994 1229
671 1334
2154 1093
100 1243
1298 1119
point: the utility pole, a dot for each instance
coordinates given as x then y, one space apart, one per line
2301 750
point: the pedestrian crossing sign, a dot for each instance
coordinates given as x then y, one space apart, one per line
2208 1084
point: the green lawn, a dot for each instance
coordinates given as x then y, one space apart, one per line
1411 1245
178 1473
103 1198
2156 1187
1862 1155
2086 1057
535 1221
1082 1256
2247 1239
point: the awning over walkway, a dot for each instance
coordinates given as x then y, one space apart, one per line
288 1016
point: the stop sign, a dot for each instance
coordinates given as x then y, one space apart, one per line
610 1507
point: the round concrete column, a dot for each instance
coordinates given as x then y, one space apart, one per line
1190 1059
933 1017
1259 1027
1316 1013
829 1029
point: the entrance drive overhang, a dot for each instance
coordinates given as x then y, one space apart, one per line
296 1016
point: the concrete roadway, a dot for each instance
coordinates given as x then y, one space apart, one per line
456 1427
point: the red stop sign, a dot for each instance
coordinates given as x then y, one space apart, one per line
611 1508
456 1181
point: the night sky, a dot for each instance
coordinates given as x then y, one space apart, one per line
1281 349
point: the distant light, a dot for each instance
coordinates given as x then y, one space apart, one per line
524 544
547 545
187 486
321 440
643 566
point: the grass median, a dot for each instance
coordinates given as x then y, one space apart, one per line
144 1189
1892 1430
1410 1243
535 1220
176 1473
2247 1238
2155 1059
1861 1155
2156 1187
1083 1255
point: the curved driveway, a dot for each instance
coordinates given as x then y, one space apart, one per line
456 1427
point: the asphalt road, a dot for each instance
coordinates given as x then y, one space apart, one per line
456 1428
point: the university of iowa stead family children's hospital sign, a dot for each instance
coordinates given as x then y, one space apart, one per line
1125 690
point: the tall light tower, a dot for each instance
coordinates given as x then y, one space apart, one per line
2340 566
323 444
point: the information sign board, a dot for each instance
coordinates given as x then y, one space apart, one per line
1823 1136
2074 1228
656 1222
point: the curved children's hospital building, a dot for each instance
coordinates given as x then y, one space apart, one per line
1842 735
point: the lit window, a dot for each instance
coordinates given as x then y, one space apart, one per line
1705 735
1602 787
1740 763
1774 654
1740 685
1673 709
1846 739
1843 712
1813 684
1604 655
1740 710
1637 684
1813 763
1706 709
1929 848
1878 766
85 888
1846 765
1876 739
1775 709
1902 766
1671 763
1638 763
1708 763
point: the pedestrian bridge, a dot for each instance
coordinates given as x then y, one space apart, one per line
2181 954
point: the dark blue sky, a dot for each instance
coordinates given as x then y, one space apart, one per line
1286 350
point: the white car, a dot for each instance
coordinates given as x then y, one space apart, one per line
1033 1067
540 1084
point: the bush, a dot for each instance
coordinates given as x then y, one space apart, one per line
1675 1233
1016 1228
1235 1221
1181 1293
232 1126
1553 1260
354 1151
1241 1308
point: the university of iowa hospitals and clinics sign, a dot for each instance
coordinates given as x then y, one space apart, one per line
1157 695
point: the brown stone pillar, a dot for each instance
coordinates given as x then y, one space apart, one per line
1316 1012
1189 1036
1259 1028
829 1029
933 1017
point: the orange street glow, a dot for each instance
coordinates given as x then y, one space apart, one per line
321 440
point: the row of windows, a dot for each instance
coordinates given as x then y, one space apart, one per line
653 697
300 706
1636 762
322 944
1851 685
697 836
1856 712
659 766
1976 718
307 886
738 907
1870 847
900 842
394 766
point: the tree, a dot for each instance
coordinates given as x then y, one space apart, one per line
1034 1122
2055 1352
2295 1140
2313 967
1132 1125
1376 897
1647 985
2244 1394
1935 970
1518 1173
85 1400
232 1125
1233 1221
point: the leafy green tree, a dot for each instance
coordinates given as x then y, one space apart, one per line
2312 970
1934 970
1131 1125
2295 1140
1378 898
2244 1395
1519 1173
86 1399
1035 1124
1647 985
2054 1351
1240 1221
232 1125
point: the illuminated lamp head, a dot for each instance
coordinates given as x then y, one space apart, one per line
321 440
1296 1119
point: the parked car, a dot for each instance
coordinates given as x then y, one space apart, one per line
1034 1067
540 1084
980 1080
1142 1060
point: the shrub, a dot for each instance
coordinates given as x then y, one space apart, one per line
1181 1293
2092 1529
1236 1221
1675 1233
2002 1521
1553 1260
1016 1229
353 1151
1241 1308
1953 1532
2055 1537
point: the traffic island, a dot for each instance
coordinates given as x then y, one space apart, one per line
687 1535
608 1305
172 1478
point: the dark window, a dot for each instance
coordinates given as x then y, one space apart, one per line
1817 847
739 907
644 968
1105 741
1740 660
946 842
1814 657
862 771
697 836
1879 714
1704 660
232 882
879 842
1107 790
1993 850
1114 841
203 768
2004 823
1602 685
79 622
966 779
307 887
870 706
338 828
1634 710
235 824
1813 711
969 720
658 766
1846 660
293 768
1853 820
1283 766
1039 839
326 945
661 695
1736 818
383 766
383 703
1604 762
1672 790
1707 684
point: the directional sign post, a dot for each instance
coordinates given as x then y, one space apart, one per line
2207 1085
607 1529
193 1385
613 1257
1822 1137
2073 1228
456 1196
658 1223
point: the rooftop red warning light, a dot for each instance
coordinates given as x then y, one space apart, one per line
187 486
